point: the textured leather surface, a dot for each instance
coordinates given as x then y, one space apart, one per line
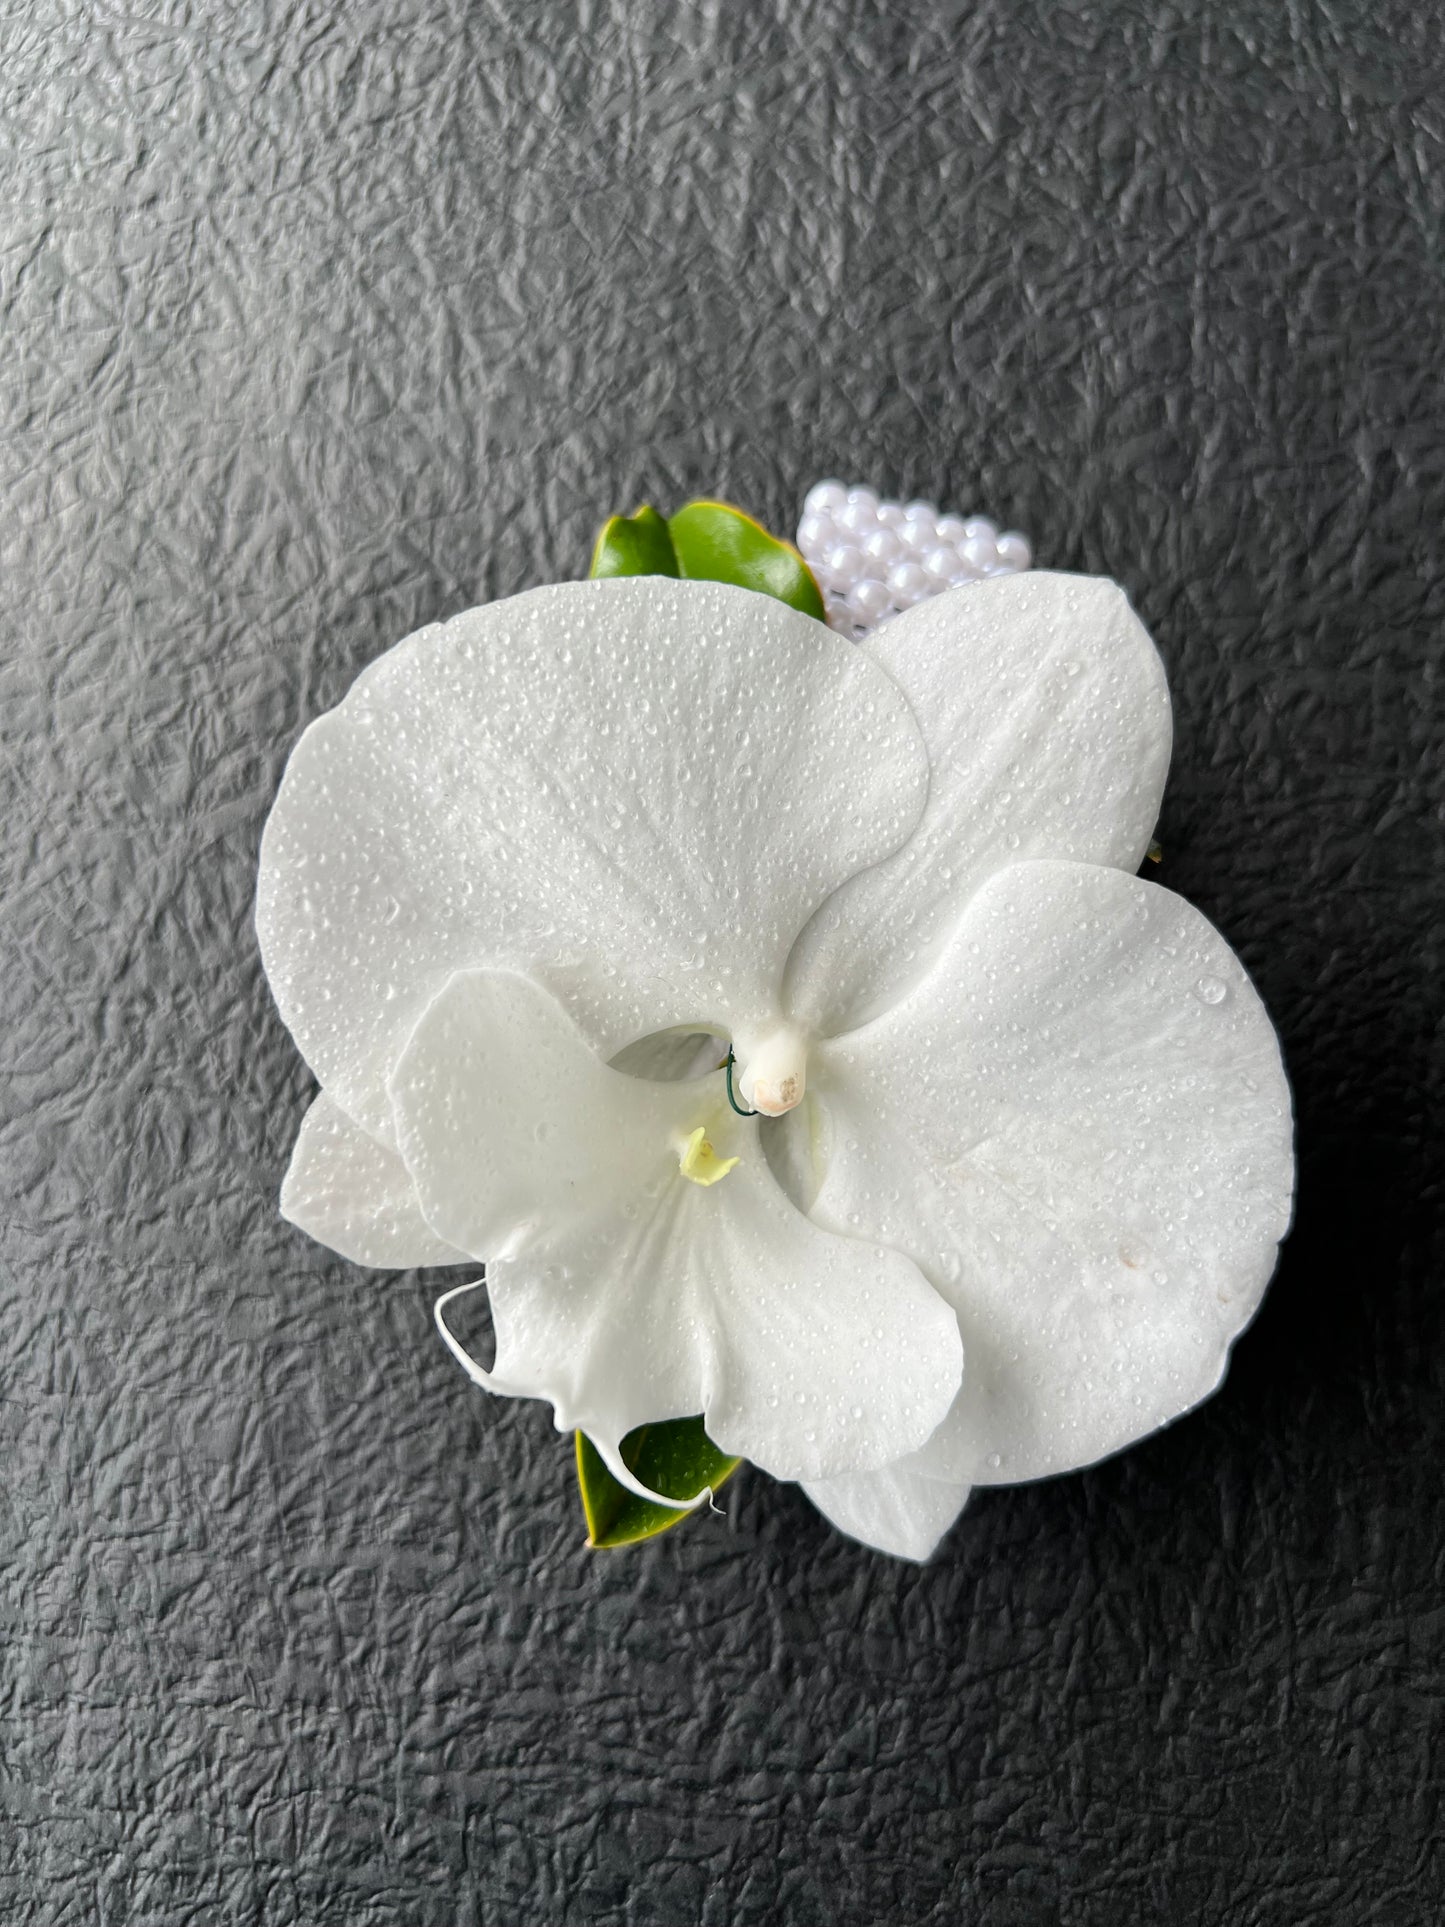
320 322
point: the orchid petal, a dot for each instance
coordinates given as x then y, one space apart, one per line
623 1292
353 1194
899 1510
1046 714
1079 1127
638 790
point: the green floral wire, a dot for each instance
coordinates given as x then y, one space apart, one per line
731 1099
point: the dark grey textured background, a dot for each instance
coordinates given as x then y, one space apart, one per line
320 322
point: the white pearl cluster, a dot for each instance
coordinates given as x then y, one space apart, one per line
874 559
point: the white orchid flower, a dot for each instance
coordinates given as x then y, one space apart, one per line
1032 1105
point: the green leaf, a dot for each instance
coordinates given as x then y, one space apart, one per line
675 1457
714 542
707 542
634 545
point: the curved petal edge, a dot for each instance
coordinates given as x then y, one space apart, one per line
354 1195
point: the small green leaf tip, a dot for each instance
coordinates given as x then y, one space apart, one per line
636 544
714 542
708 542
675 1457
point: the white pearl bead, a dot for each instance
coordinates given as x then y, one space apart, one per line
844 564
823 497
815 533
856 518
852 540
907 584
869 601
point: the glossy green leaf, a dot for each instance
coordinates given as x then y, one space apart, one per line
707 542
636 544
675 1457
714 542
